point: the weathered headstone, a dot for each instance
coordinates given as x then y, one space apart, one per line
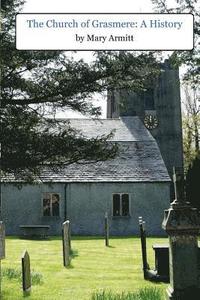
182 224
106 230
26 272
143 246
66 243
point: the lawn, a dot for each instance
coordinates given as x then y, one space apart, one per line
94 268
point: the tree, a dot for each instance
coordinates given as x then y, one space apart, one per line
191 59
191 125
31 79
192 183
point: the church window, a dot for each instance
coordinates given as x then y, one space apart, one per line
51 202
121 205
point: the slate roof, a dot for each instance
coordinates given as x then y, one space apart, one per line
139 159
126 128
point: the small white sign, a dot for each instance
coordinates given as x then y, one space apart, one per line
104 31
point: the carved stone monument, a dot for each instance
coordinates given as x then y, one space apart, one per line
26 272
182 224
106 230
66 243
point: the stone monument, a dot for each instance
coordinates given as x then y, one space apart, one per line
26 272
143 246
182 225
66 243
106 230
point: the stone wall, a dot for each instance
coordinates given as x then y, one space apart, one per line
85 205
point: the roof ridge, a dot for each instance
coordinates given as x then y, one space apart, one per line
94 119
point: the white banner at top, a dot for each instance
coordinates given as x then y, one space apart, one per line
104 31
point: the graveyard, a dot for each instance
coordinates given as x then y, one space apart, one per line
72 187
94 267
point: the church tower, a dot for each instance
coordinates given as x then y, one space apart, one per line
159 108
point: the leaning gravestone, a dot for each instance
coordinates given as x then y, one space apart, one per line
2 247
106 230
26 272
66 243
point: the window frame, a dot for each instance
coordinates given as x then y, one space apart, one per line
129 205
51 215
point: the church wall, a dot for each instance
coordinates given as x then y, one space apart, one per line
22 205
85 205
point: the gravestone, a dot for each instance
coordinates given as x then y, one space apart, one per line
26 272
106 230
161 272
66 243
143 246
182 224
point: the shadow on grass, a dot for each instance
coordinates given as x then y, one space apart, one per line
26 294
82 238
70 266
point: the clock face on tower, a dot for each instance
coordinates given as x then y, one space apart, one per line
150 121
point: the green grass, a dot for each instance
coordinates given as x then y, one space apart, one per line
10 273
94 268
143 294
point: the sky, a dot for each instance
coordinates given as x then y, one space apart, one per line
64 6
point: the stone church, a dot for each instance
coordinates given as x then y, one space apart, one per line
136 183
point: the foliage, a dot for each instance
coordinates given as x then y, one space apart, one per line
73 253
116 269
192 183
32 82
191 59
142 294
191 125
